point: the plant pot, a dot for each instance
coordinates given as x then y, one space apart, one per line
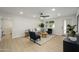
73 38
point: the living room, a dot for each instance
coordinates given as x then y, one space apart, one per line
50 23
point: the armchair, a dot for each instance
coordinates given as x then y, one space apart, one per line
33 36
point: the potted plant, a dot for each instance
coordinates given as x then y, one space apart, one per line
42 27
71 32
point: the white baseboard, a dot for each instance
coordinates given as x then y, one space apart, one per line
58 34
17 36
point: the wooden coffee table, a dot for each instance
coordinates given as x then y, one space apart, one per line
44 34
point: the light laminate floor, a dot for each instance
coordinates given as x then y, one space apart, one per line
25 45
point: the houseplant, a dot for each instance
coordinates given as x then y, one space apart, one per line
41 25
71 32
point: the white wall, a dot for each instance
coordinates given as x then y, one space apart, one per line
22 24
19 24
59 24
0 28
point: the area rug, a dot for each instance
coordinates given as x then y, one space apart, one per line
44 40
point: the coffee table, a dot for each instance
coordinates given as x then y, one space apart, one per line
44 34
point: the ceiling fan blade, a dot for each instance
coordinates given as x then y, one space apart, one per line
44 16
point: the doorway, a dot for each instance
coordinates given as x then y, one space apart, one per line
6 33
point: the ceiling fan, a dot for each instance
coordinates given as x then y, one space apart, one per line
43 15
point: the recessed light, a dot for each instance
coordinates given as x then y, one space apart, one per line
53 9
20 12
58 14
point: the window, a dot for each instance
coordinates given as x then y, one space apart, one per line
64 26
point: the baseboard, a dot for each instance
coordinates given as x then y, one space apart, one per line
58 34
17 36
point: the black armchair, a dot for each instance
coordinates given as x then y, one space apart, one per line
33 36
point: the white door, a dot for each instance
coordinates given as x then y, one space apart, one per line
6 33
59 27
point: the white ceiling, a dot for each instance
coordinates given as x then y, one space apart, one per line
35 11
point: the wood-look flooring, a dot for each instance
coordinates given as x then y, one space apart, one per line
25 45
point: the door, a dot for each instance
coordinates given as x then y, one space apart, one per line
58 30
6 33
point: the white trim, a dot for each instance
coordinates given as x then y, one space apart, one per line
17 36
